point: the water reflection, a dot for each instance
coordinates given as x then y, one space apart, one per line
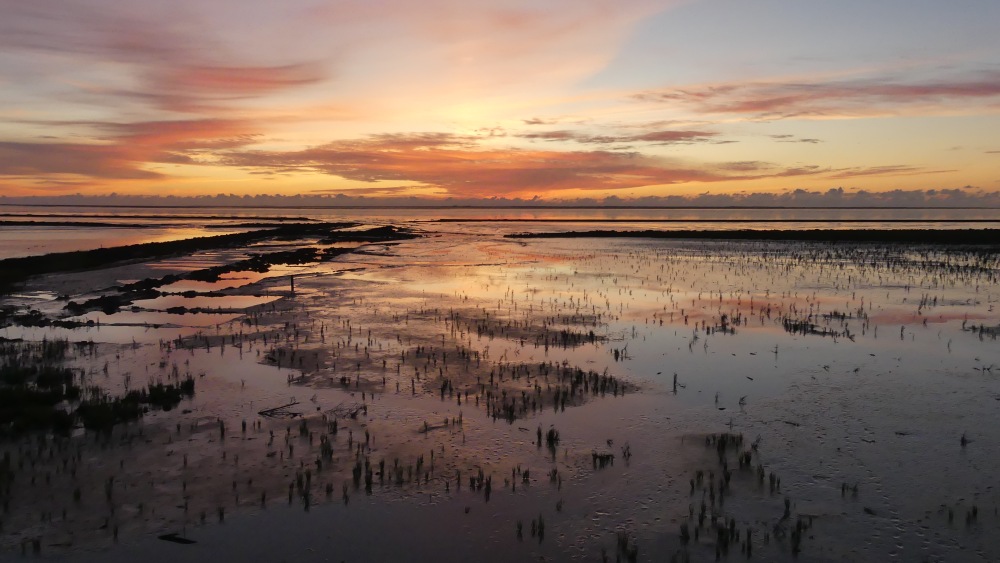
857 365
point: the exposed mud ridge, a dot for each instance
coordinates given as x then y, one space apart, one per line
14 270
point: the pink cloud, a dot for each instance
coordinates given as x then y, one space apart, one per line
246 80
124 150
31 160
868 96
182 135
208 88
175 56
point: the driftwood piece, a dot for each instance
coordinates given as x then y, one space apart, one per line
281 412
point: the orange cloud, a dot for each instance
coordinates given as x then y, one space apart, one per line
463 169
125 151
149 140
450 164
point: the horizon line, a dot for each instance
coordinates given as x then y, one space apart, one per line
470 206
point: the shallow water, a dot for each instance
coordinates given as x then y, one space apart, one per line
853 365
227 302
31 240
174 224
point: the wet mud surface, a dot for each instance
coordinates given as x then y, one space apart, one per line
465 395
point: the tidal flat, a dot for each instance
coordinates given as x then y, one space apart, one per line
446 392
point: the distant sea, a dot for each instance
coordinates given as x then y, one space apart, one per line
29 230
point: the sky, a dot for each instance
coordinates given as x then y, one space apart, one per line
558 100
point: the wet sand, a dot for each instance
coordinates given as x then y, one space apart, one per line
859 378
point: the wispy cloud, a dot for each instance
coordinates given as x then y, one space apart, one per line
746 166
539 121
653 137
785 138
167 59
122 150
892 170
203 88
183 136
819 99
33 161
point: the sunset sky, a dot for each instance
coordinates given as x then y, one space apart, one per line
559 99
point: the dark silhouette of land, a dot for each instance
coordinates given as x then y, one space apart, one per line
16 270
